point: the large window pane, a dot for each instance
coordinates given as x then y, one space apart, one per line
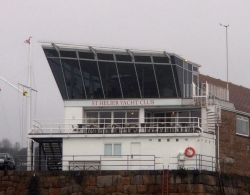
165 81
160 59
56 69
69 54
125 58
128 80
105 118
142 58
119 117
86 55
91 79
117 149
102 56
51 53
147 80
133 116
111 84
73 79
178 74
92 117
108 149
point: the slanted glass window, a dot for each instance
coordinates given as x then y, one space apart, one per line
86 55
242 125
165 80
51 53
161 59
69 54
124 58
147 80
110 80
73 79
102 56
142 58
128 79
91 79
112 149
56 69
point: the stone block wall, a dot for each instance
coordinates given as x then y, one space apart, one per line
120 183
234 149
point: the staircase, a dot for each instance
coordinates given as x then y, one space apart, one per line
213 118
53 155
164 181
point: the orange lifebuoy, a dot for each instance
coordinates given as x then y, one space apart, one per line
189 152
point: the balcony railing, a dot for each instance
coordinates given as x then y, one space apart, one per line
120 126
87 162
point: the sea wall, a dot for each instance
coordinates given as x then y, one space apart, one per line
181 182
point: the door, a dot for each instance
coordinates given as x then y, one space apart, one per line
135 158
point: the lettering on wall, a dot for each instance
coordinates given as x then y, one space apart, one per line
122 102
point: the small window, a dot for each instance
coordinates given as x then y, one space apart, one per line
242 125
159 140
168 140
112 149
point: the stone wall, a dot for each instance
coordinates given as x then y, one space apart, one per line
180 182
234 149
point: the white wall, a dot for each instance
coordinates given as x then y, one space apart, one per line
167 148
73 116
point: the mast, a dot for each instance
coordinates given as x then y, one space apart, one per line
29 109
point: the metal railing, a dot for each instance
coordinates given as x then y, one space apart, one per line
87 162
198 162
92 126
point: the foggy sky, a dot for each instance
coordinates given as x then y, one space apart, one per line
188 28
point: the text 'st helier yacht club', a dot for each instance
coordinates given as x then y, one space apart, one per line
131 109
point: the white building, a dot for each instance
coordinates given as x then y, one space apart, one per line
129 109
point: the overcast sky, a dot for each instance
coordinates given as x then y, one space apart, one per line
188 28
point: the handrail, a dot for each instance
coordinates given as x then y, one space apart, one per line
87 162
149 125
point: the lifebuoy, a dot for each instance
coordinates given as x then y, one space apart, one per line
189 152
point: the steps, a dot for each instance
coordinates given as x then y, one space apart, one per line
53 153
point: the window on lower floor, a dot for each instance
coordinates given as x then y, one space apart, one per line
112 149
242 125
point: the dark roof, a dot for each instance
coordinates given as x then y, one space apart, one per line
238 95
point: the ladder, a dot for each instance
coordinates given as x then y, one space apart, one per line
164 181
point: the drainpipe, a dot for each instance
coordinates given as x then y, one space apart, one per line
218 146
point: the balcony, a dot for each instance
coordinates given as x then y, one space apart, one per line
125 126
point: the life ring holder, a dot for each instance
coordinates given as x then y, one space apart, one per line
189 152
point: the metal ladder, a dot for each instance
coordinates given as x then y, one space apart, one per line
164 181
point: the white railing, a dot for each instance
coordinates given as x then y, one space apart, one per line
87 162
210 91
120 126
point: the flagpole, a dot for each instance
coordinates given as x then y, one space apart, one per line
29 109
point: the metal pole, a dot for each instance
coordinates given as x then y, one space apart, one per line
226 26
29 152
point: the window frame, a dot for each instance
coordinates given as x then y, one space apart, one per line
242 119
113 148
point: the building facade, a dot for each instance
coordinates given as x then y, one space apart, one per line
130 109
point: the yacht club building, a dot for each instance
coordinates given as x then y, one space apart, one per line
130 109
